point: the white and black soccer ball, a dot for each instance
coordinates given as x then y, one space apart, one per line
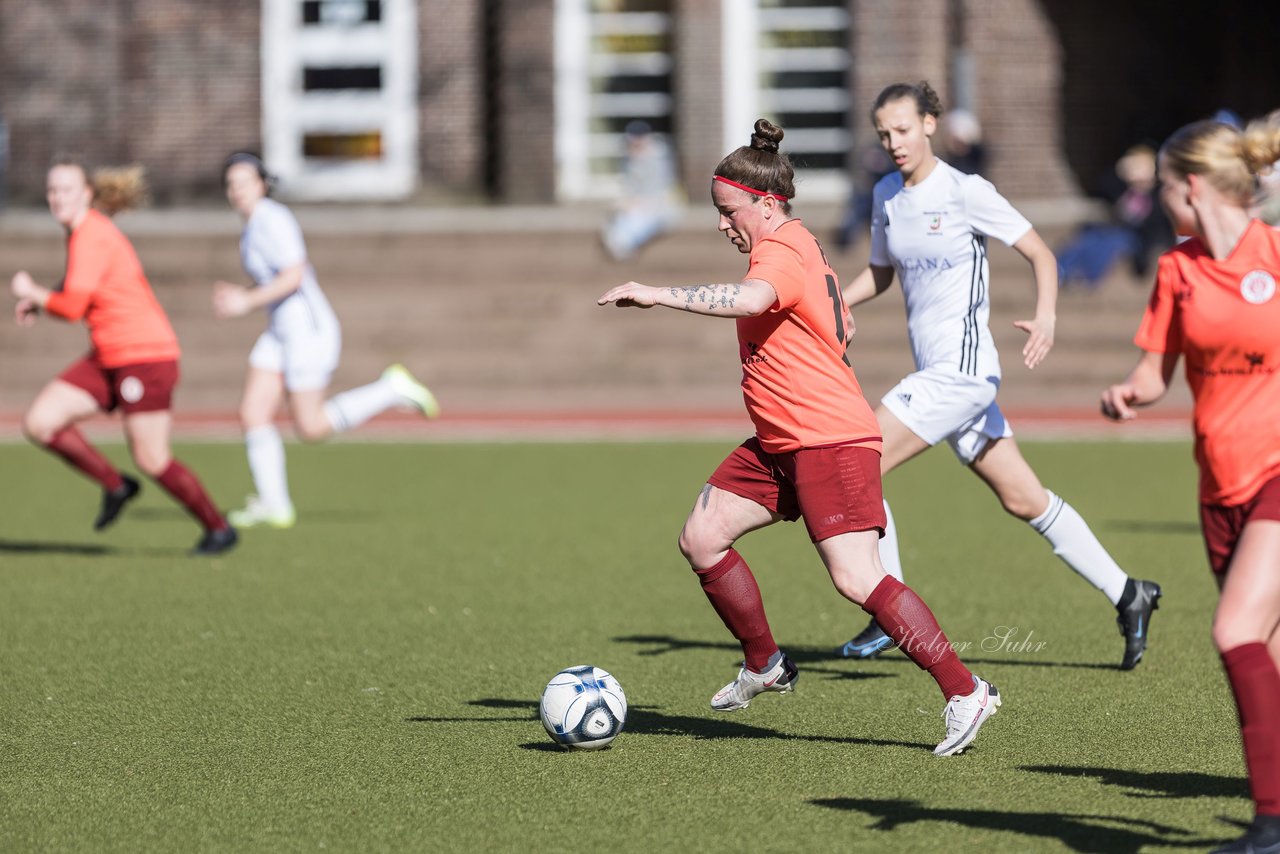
583 708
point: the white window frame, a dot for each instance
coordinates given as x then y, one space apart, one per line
288 113
575 105
742 61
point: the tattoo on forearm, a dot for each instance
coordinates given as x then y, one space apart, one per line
709 297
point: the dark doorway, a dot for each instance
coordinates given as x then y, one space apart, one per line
1135 71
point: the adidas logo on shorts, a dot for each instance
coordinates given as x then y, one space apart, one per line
905 397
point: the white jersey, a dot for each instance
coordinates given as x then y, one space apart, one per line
271 242
934 235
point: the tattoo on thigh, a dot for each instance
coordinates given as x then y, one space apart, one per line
706 495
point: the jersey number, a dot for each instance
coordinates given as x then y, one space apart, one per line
837 305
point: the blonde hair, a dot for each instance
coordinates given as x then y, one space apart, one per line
115 188
120 188
1229 159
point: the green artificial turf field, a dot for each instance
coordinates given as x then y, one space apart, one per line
368 681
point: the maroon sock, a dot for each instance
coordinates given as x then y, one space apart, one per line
907 619
732 591
71 445
183 485
1255 681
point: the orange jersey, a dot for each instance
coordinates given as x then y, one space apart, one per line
799 390
1224 317
105 287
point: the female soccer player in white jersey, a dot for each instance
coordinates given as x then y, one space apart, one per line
297 354
929 225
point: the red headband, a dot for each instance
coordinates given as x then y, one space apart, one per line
752 190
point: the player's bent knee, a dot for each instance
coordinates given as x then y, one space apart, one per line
1022 507
152 463
37 430
854 586
313 430
699 548
1233 630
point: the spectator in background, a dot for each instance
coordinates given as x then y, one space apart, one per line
1267 208
872 164
1137 230
1267 205
650 202
962 144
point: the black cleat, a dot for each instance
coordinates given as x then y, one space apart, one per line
216 542
1262 837
1134 620
869 643
114 500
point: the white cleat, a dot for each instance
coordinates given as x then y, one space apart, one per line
256 514
965 714
414 393
782 678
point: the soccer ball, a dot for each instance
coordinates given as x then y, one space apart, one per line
583 708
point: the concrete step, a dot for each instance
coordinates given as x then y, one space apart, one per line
501 321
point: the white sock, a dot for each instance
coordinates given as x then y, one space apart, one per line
266 462
352 408
889 557
1072 541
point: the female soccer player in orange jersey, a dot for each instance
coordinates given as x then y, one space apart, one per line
816 452
133 361
1215 303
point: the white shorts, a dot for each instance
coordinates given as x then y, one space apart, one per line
938 404
307 360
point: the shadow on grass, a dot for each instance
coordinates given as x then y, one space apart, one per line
1155 784
663 644
650 721
1102 834
89 549
153 514
35 547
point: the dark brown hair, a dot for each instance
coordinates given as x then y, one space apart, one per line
761 165
926 100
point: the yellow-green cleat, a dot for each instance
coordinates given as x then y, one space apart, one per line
414 393
255 514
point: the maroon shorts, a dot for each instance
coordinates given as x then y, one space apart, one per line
835 488
144 387
1222 525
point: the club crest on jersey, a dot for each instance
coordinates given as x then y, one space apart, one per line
935 221
131 389
1258 287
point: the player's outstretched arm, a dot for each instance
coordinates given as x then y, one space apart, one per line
26 311
1040 329
31 298
1146 383
743 299
232 300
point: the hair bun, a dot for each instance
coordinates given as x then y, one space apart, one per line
766 137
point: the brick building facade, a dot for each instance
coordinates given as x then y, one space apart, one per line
177 85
